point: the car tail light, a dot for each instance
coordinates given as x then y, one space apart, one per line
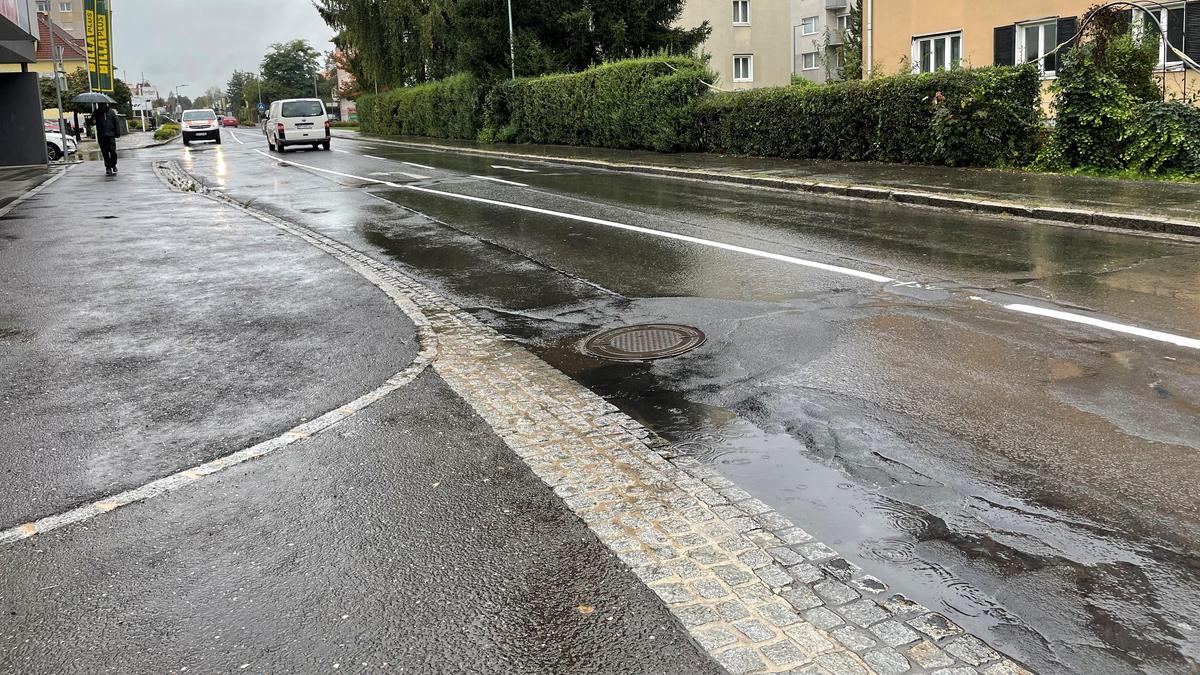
279 129
326 127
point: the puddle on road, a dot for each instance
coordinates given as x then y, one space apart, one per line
1058 593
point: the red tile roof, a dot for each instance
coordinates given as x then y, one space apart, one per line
73 50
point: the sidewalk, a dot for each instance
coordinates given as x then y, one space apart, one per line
133 140
225 451
1153 206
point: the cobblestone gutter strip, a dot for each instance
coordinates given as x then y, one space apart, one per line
760 594
1055 215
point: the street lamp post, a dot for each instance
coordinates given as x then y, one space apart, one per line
177 103
512 50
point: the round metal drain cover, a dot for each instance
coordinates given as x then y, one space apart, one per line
645 342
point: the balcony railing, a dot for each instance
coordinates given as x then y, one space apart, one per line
832 5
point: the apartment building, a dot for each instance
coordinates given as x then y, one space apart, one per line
68 14
922 36
763 43
74 56
818 30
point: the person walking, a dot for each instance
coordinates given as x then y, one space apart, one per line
108 130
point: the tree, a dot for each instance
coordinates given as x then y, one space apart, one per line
402 42
289 68
852 44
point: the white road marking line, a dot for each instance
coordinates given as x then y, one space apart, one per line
621 226
344 152
414 176
1108 325
374 157
513 168
501 180
235 137
420 166
1028 309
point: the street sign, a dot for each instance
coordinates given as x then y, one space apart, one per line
142 103
97 20
261 106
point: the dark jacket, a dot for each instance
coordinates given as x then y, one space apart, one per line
107 124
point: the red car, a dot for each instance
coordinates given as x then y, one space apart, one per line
229 122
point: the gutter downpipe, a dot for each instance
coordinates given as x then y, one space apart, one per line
870 44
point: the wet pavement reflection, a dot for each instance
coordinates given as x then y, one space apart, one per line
1034 481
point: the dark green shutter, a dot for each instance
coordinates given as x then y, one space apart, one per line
1067 27
1004 45
1191 31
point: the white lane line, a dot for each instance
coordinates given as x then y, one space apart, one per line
501 180
235 137
374 157
414 176
1027 309
513 168
1107 325
420 166
344 152
621 226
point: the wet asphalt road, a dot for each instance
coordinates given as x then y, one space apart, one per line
143 331
1034 479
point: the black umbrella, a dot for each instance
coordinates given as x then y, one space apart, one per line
92 97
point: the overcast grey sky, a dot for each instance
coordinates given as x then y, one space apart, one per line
201 43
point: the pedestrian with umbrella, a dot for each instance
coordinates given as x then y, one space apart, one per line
108 128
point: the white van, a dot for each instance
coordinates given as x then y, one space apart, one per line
297 121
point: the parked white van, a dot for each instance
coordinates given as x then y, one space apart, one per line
297 121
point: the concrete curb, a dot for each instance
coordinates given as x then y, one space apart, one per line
1047 214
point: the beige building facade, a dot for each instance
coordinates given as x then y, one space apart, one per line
923 36
68 14
751 43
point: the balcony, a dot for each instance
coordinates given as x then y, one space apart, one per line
835 36
836 5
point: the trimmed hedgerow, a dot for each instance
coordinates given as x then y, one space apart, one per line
982 117
638 103
449 108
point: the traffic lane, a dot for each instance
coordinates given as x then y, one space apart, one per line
141 341
407 536
955 494
1142 279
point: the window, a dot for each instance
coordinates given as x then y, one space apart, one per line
1172 20
303 109
1035 41
741 12
808 26
808 61
43 6
843 23
743 68
64 7
937 52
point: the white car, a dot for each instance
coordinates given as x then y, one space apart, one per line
297 121
201 123
54 146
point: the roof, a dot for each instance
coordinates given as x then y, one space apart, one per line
73 49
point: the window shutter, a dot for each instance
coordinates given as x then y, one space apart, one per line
1067 27
1004 45
1191 31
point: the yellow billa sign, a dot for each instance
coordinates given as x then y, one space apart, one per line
97 20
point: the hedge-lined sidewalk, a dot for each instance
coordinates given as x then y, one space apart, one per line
1150 206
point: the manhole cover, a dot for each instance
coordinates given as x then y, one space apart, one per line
645 342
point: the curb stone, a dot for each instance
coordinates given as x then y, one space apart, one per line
748 585
1065 216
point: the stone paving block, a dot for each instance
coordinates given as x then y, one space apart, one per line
840 569
686 569
763 539
711 589
740 660
894 633
733 575
822 618
772 520
755 630
692 616
1005 668
783 654
755 558
806 573
926 655
835 592
903 607
816 551
774 576
753 507
935 626
961 670
802 598
736 544
868 584
732 610
793 535
887 662
841 663
673 593
785 556
714 638
855 639
779 614
755 595
810 639
863 612
971 649
708 555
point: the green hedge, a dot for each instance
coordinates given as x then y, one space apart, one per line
449 108
166 131
638 103
982 117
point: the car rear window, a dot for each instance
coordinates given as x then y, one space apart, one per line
199 115
303 109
